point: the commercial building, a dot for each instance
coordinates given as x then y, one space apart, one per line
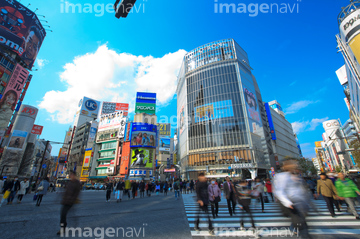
282 135
222 128
348 44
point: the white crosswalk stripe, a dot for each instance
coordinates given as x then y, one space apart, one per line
272 222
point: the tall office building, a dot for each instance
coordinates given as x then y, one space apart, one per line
222 126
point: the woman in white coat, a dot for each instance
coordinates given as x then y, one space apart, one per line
23 186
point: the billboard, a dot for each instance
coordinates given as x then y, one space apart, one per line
253 110
111 107
318 144
164 144
145 103
215 110
164 129
342 76
143 135
17 140
37 129
87 158
271 123
112 121
350 32
124 164
89 107
20 30
142 158
182 119
11 95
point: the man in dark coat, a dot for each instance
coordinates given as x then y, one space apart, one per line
202 196
13 186
70 197
134 188
230 195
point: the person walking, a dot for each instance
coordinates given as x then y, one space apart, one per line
23 186
230 196
42 190
347 191
70 197
192 184
109 189
326 188
312 185
259 187
142 189
176 187
214 197
14 187
134 189
243 196
1 185
268 186
202 195
166 188
148 189
293 196
119 190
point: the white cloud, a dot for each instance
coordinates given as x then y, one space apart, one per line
41 62
296 106
309 125
106 75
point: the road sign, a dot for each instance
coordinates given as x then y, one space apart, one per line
44 166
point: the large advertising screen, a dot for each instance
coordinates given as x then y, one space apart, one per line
142 158
20 30
215 110
164 144
17 140
111 107
143 135
89 107
11 95
253 110
350 32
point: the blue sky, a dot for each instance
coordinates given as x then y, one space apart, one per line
293 55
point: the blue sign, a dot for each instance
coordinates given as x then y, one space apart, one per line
44 166
271 124
143 97
91 105
215 110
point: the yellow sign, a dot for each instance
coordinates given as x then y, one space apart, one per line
318 144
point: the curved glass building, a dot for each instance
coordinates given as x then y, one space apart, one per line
222 126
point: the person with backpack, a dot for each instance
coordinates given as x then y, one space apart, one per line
176 187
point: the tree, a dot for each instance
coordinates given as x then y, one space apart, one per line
338 168
356 153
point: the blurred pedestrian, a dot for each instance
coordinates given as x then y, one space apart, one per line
176 187
312 186
166 188
1 185
230 195
290 190
70 197
347 191
109 189
23 186
142 188
127 188
243 196
119 190
202 196
134 189
326 188
192 184
14 187
148 189
268 185
259 187
42 190
214 197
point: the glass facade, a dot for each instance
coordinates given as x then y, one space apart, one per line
219 110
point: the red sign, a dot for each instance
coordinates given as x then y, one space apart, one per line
37 129
28 110
124 165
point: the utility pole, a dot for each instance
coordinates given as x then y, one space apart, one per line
42 159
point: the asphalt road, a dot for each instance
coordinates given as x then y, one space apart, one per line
150 217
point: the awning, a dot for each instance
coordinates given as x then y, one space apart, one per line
97 177
105 159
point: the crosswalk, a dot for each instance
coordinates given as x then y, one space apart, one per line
272 223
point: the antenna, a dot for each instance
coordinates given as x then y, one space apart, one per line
36 9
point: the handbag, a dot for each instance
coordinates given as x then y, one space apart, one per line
217 199
40 188
6 194
35 197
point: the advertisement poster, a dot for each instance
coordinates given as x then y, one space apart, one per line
87 158
20 30
17 139
215 110
142 158
182 119
143 135
124 164
111 107
253 111
11 95
112 121
164 129
164 144
350 32
145 103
